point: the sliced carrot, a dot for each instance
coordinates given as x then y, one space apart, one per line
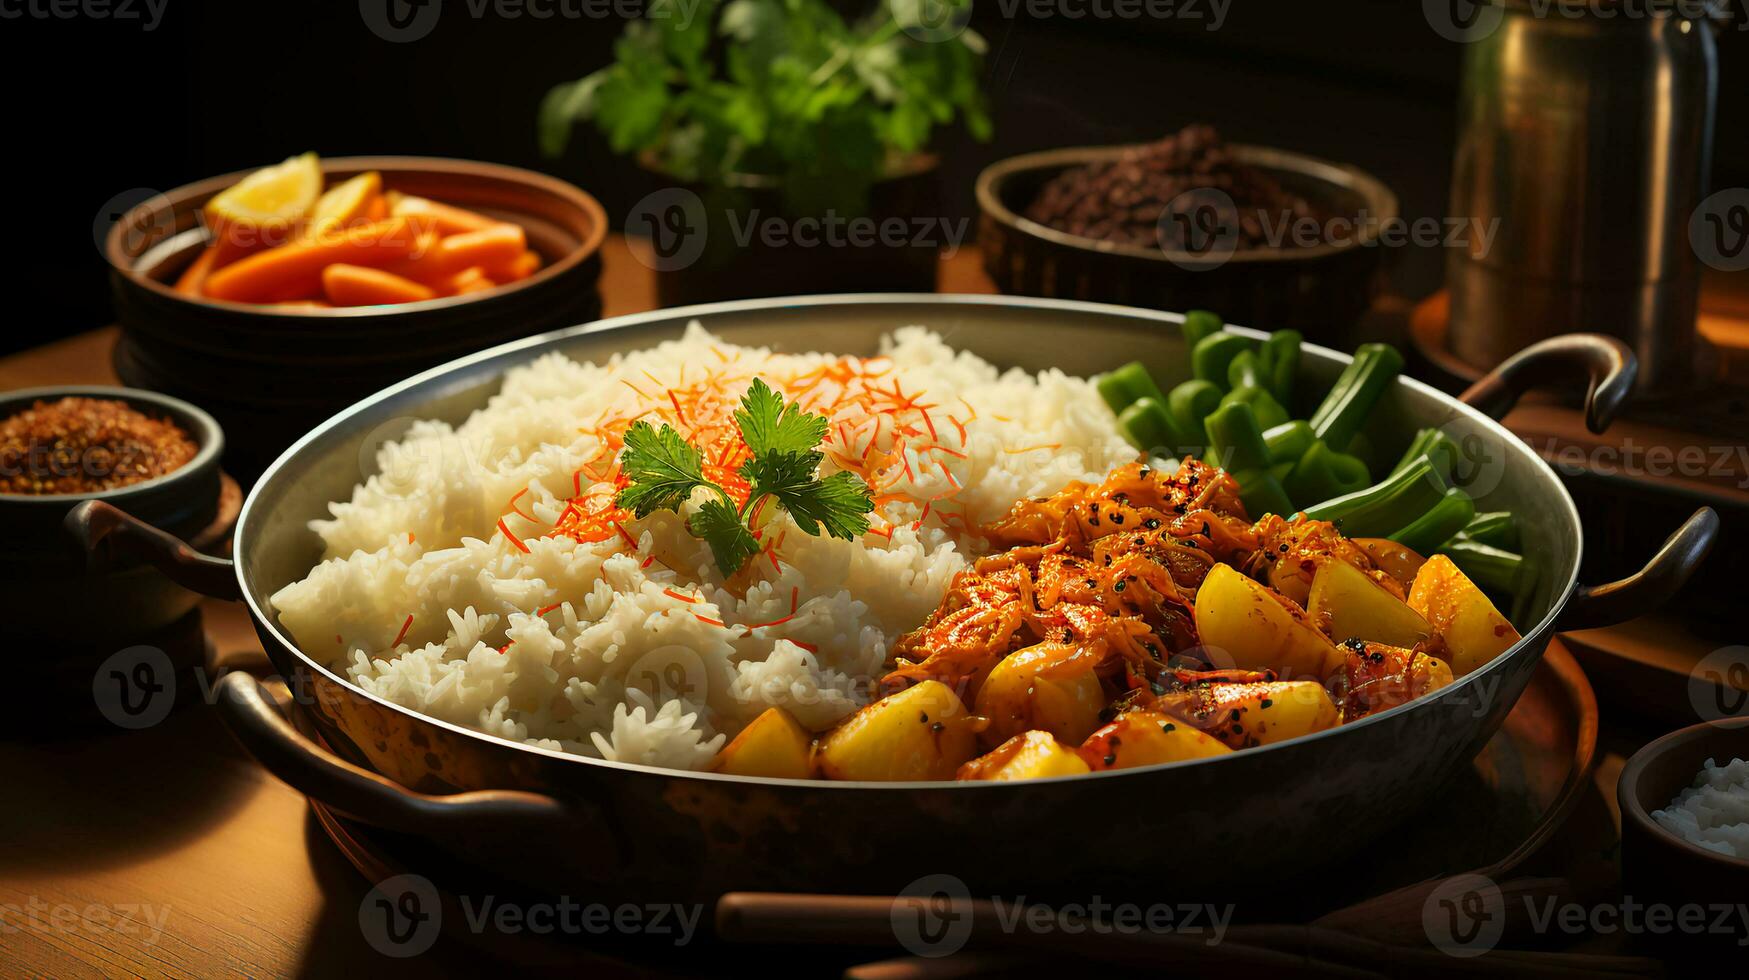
232 241
421 265
521 267
294 271
470 280
357 285
489 247
450 220
193 278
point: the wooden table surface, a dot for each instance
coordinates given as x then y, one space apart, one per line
109 837
169 851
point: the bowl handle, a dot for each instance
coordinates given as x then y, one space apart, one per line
110 535
1607 361
1593 606
256 717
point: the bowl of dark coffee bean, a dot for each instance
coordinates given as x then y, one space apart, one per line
1267 236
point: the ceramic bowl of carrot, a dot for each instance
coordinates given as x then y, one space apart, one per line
275 297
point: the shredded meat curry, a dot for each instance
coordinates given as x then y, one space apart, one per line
1107 576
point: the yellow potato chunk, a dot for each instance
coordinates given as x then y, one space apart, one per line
1348 604
1474 630
1148 738
1050 687
1029 755
774 745
1397 561
922 732
1259 630
1262 713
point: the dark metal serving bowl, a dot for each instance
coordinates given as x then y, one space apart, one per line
571 825
1316 289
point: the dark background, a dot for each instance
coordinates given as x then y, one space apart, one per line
97 108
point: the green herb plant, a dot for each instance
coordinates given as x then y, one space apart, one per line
783 89
665 469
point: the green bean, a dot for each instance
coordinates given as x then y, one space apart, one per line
1344 410
1438 524
1386 507
1213 354
1149 428
1197 325
1127 385
1322 473
1289 441
1268 411
1494 569
1279 360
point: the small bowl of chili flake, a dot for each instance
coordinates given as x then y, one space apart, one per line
154 456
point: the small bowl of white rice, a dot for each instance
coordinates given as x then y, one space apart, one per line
1685 833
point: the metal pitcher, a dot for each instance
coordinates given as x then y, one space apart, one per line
1585 131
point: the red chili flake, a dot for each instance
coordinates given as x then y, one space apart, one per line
929 422
542 611
806 646
771 553
512 538
577 483
795 593
951 452
403 634
709 621
648 562
960 426
923 516
518 496
675 401
409 537
683 597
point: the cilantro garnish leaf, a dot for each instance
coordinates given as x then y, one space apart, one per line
663 470
840 503
770 426
721 527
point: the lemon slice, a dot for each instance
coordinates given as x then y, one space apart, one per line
345 202
273 195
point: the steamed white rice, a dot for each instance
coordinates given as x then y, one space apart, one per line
627 661
1714 812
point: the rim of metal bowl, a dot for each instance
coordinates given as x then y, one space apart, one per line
208 436
826 302
140 215
1379 198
